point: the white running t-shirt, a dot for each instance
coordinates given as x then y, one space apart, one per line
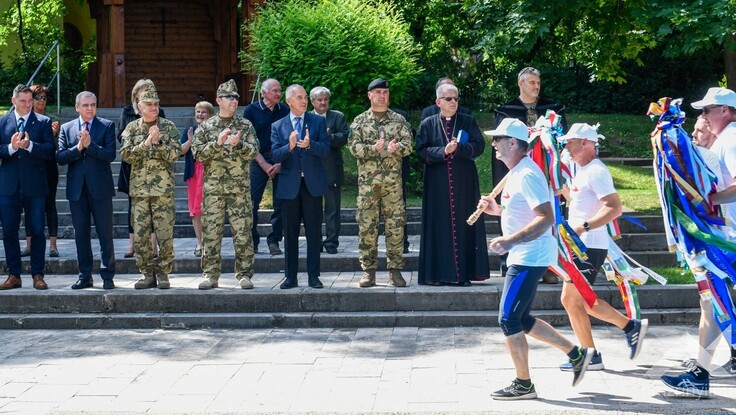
591 183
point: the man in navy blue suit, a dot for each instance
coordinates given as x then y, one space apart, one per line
298 142
87 145
26 142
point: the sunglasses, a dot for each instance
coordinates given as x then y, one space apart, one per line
40 97
706 110
230 97
448 99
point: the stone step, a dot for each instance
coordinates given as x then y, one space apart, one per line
346 260
333 320
340 304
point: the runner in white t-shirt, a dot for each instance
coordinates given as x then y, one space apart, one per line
526 220
593 203
718 110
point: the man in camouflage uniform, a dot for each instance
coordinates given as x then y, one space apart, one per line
151 146
381 138
226 144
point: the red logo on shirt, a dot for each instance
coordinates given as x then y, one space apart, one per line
505 195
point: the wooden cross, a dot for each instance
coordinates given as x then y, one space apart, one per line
163 22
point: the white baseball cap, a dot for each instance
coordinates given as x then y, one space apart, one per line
582 131
511 127
716 96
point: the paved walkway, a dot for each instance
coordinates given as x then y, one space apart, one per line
397 370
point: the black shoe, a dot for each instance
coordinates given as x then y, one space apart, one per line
331 250
108 285
288 284
406 249
515 392
580 365
315 283
82 283
274 249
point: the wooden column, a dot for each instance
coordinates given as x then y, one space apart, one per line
110 65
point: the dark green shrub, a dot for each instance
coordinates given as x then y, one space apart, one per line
340 44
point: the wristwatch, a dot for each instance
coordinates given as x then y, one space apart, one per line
586 226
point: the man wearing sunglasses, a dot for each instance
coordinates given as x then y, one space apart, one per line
434 109
527 108
718 109
226 144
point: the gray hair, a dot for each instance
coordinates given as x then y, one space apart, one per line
84 94
21 89
290 89
446 87
442 81
142 83
529 71
319 90
267 84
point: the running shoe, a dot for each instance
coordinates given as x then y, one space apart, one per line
515 392
693 382
636 337
596 363
580 365
728 370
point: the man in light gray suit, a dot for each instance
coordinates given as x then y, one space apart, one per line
337 135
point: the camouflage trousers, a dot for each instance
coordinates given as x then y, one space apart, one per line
375 200
240 210
153 214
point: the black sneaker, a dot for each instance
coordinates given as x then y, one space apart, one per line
515 392
636 337
580 366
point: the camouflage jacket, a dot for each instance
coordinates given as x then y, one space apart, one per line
372 165
151 168
226 167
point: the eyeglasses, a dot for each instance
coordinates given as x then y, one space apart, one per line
498 138
448 99
706 110
230 97
40 97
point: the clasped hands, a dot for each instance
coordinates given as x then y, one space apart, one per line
226 138
392 145
20 140
451 147
303 143
83 140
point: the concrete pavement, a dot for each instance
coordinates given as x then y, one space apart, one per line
394 370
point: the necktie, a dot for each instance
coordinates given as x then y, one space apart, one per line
298 127
86 126
21 125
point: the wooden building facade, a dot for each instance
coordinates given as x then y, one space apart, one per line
186 47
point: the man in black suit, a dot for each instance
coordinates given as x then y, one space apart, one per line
434 109
26 143
299 142
337 135
87 145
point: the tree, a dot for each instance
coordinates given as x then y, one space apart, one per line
341 44
36 24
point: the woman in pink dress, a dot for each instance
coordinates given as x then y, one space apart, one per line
194 171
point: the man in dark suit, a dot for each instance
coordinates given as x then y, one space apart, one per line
337 135
87 145
299 142
434 109
26 142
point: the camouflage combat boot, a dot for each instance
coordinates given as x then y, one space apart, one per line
368 279
163 281
146 281
246 283
395 278
208 283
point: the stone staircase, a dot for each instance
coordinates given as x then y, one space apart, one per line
340 304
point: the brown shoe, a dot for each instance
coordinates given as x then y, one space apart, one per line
12 282
368 279
274 249
395 278
39 283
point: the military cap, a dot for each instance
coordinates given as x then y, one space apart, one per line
228 88
148 95
378 83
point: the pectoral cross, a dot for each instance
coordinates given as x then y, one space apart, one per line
163 22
